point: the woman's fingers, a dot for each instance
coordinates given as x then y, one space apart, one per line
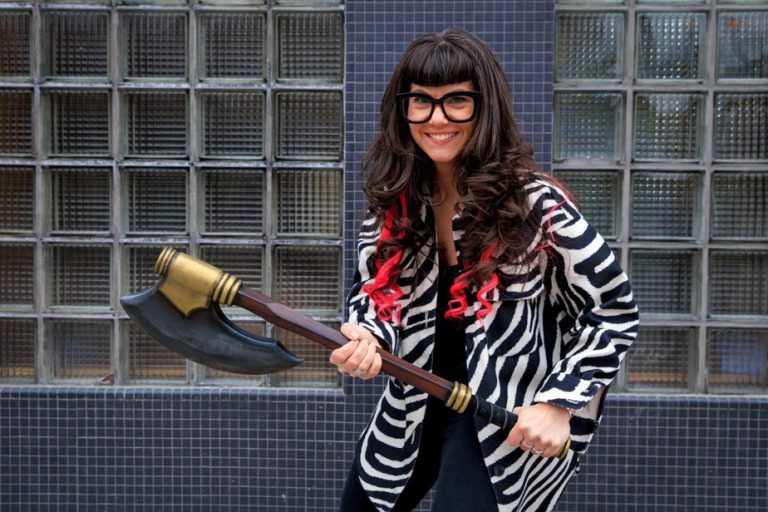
541 429
357 358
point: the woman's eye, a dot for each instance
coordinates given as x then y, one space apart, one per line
457 101
422 100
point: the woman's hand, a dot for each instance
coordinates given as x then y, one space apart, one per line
541 428
357 358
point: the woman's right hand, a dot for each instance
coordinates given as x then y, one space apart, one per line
358 357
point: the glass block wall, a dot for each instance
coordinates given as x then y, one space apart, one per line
212 126
661 128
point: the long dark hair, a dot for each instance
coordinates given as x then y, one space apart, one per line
494 166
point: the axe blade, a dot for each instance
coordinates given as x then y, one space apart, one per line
207 336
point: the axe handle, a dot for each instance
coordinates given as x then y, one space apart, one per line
455 395
283 316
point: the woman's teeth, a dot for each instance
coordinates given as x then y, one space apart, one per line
442 136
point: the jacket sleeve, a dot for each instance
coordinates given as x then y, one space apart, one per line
596 313
359 305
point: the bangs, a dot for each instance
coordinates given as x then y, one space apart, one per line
436 64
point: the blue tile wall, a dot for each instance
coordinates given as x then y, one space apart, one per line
232 449
129 449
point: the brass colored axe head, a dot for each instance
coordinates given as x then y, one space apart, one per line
182 312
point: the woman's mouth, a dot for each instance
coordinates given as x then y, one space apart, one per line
441 138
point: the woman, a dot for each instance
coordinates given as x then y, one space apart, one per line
476 267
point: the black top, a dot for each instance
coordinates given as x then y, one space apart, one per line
450 360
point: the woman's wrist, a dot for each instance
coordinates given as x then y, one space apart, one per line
570 411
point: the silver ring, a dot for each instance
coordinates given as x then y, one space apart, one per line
359 373
527 446
537 451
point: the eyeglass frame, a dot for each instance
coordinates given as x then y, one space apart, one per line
475 95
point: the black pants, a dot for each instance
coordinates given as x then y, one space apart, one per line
449 459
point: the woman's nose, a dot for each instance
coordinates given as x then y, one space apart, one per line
438 116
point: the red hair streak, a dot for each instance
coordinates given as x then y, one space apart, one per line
384 290
458 304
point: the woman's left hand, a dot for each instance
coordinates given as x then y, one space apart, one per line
541 429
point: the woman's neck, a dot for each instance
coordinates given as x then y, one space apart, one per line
447 192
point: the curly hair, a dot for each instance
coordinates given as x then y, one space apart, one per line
494 166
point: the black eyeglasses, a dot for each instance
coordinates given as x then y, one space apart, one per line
458 106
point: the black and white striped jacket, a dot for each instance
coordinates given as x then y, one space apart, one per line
558 333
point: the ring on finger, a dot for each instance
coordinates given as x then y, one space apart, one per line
527 446
536 451
359 373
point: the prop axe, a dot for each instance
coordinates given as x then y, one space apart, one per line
182 312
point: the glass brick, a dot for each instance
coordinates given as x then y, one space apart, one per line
590 46
78 122
15 43
17 351
741 126
588 125
15 122
76 44
742 39
308 278
665 282
80 199
310 46
315 371
672 1
17 200
233 200
599 196
309 125
736 360
157 200
233 2
309 2
739 206
668 126
155 44
156 124
308 202
81 348
79 275
17 276
738 283
662 358
666 205
148 359
152 2
233 124
139 265
670 45
232 45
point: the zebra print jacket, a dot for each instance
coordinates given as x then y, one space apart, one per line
557 333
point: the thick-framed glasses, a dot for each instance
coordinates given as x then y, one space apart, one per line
458 106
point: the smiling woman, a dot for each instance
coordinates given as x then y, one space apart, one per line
477 267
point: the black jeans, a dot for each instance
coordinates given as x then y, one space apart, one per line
449 459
